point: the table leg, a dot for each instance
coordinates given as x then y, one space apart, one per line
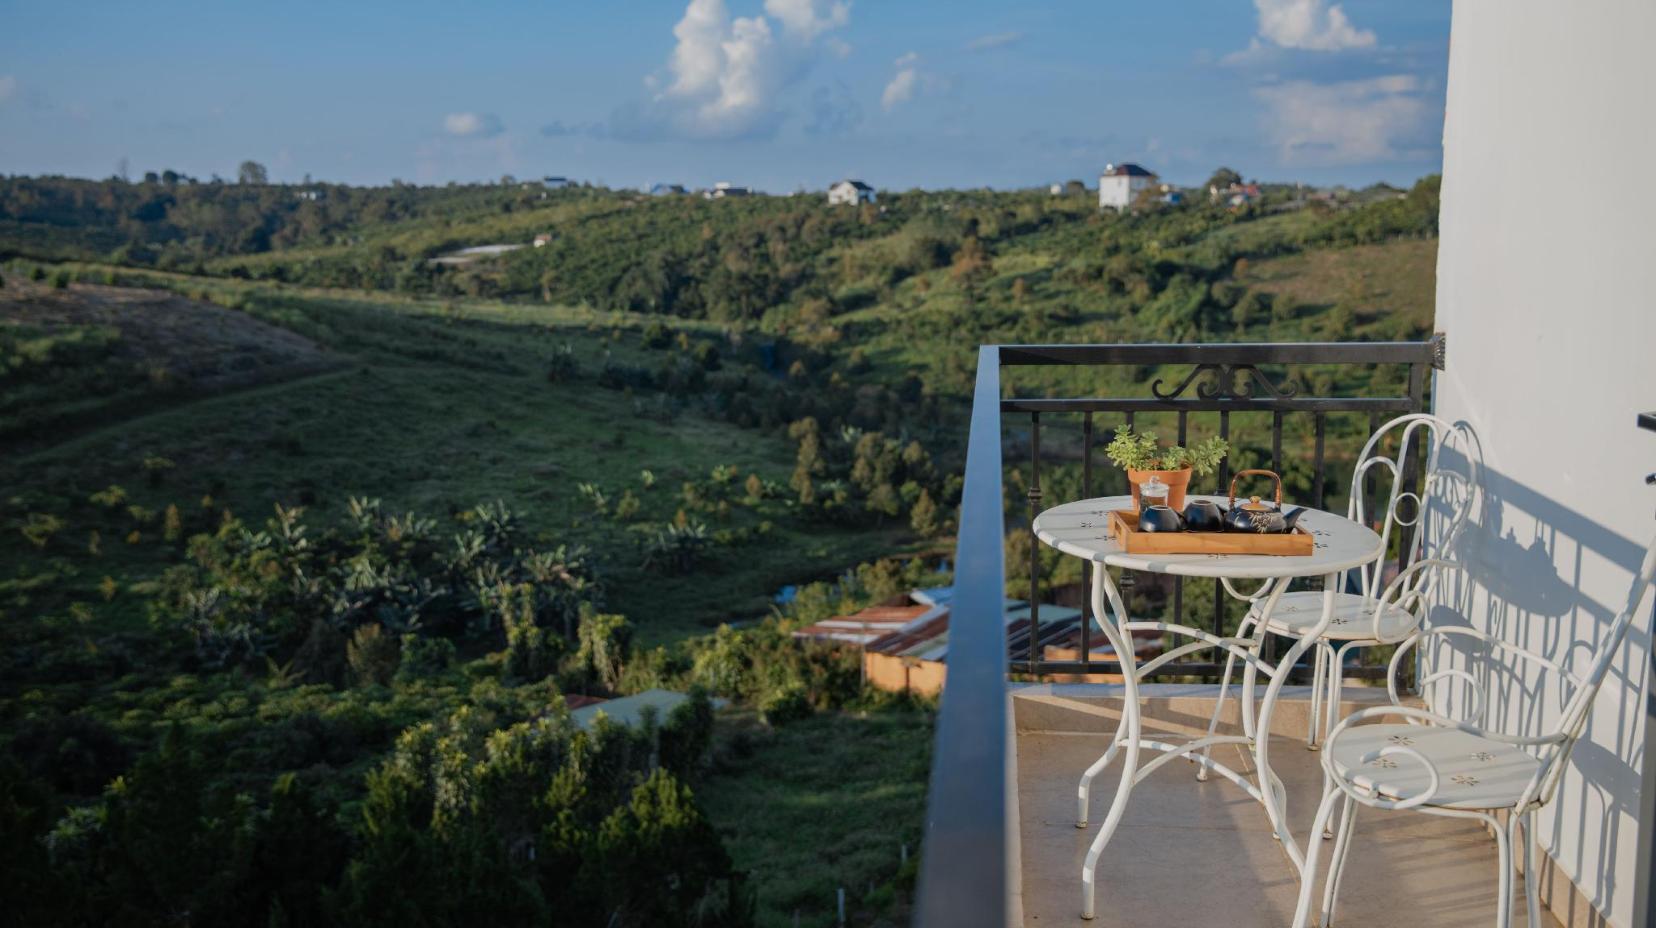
1127 735
1224 689
1275 805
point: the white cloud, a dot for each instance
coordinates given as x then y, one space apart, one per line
984 43
806 19
726 74
903 83
1348 121
1309 24
8 87
473 125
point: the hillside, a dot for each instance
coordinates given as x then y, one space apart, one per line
304 534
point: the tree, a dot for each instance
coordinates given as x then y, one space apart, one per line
252 172
605 641
1224 178
923 517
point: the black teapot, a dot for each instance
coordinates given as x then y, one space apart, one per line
1257 517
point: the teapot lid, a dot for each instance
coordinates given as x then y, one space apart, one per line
1254 505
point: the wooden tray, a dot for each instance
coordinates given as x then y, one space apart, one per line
1124 529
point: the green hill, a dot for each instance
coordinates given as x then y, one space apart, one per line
305 534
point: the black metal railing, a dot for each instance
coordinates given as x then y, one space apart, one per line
964 878
1234 384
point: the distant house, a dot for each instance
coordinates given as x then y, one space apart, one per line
905 641
312 194
664 190
849 193
1120 184
556 183
543 239
628 710
725 188
466 256
1171 195
1234 196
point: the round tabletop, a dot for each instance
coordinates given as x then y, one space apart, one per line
1081 528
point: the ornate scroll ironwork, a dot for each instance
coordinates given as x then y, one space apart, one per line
1227 381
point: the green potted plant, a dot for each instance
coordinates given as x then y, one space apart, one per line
1142 457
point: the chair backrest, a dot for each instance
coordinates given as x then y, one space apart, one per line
1397 452
1574 719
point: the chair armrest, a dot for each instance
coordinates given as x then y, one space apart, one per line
1409 591
1507 648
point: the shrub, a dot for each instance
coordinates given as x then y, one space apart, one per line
39 527
156 468
562 366
676 548
787 703
657 335
373 655
424 656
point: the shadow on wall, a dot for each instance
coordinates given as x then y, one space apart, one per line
1526 562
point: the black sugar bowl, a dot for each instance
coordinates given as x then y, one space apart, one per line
1161 519
1202 515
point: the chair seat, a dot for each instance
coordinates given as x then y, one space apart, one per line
1473 772
1297 613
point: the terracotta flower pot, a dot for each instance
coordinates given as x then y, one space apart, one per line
1177 482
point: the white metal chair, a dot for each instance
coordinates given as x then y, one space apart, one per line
1377 614
1460 768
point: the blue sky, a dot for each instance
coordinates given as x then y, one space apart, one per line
773 93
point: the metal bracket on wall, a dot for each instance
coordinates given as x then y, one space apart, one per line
1440 349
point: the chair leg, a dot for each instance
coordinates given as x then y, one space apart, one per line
1336 864
1524 825
1319 667
1219 704
1336 686
1313 850
1503 889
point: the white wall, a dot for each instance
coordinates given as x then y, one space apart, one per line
1113 191
1117 191
1549 304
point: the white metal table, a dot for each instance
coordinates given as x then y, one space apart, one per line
1081 529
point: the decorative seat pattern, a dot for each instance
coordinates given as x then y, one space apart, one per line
1297 613
1474 772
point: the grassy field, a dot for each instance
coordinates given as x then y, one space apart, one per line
824 803
1391 280
434 410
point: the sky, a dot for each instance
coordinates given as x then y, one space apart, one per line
774 94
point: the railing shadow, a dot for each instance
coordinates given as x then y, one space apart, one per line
1529 565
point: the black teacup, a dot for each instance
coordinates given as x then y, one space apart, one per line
1202 515
1161 519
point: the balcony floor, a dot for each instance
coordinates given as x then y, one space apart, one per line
1191 853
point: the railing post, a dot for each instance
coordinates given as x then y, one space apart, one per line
1086 575
963 874
1034 545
